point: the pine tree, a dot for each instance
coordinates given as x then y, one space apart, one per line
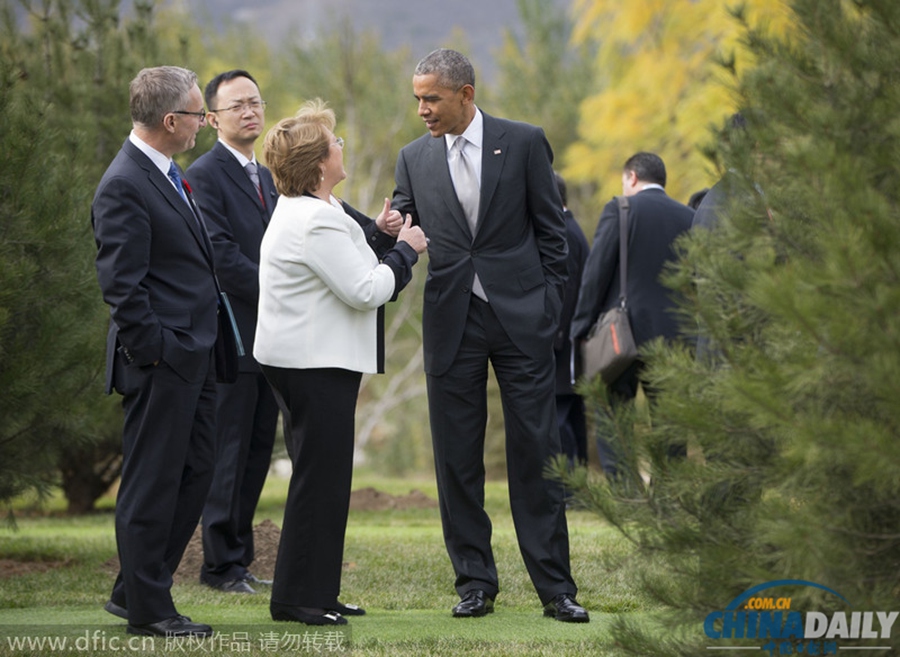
65 66
47 296
792 417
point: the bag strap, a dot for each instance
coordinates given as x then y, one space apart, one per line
623 247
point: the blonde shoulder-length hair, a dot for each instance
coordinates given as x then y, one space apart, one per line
296 146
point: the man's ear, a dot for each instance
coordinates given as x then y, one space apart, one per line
468 92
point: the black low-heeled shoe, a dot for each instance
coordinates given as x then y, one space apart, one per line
297 615
348 610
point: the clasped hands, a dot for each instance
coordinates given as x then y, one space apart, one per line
392 223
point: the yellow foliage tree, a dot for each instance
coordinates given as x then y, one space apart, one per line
664 85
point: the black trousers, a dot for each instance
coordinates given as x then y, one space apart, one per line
318 406
168 448
246 419
570 418
457 403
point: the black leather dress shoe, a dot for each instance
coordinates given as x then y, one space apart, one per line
474 603
307 616
348 610
175 626
116 610
235 586
122 612
564 608
252 579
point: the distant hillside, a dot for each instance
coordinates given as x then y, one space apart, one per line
422 24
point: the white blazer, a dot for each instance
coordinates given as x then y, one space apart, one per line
320 286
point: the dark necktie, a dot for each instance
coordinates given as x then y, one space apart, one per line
176 178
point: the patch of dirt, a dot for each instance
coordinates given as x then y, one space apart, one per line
267 534
370 499
265 545
15 568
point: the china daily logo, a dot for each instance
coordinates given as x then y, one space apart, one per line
786 631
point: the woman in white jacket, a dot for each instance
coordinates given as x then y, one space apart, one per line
321 286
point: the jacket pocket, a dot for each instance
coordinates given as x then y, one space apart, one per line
174 318
531 278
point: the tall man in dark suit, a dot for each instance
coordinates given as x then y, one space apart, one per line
155 267
237 197
484 192
654 222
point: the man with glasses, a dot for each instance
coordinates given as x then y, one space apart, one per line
237 196
155 268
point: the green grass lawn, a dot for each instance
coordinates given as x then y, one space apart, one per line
397 569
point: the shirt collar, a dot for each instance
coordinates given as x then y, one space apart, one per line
474 133
241 158
161 161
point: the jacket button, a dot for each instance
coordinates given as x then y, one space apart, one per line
465 290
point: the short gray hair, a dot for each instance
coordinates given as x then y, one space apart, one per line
155 92
452 69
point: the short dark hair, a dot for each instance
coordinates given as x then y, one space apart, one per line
212 88
648 167
452 69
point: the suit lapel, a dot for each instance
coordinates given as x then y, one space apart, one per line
199 229
192 219
437 162
165 187
242 181
493 154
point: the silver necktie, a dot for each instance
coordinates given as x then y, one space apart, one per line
468 191
253 172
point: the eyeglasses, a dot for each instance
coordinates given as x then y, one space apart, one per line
240 108
339 142
200 115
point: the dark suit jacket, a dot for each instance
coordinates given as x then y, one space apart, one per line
155 268
236 220
519 251
562 347
654 222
